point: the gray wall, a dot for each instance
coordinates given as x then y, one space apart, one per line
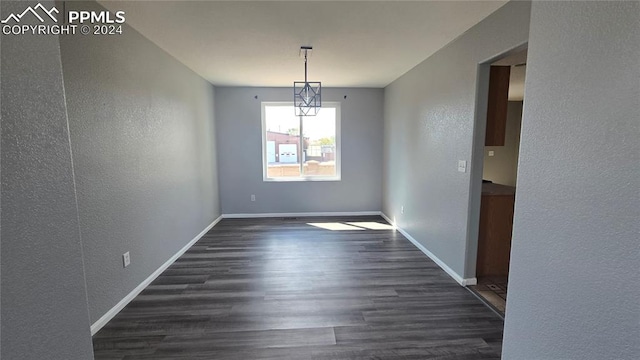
238 123
429 126
573 287
143 140
502 168
44 302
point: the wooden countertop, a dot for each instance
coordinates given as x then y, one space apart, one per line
497 189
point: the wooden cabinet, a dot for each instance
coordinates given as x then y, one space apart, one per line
497 105
496 224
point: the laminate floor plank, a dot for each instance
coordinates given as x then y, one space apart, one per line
285 289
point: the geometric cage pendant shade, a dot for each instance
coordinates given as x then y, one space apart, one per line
307 96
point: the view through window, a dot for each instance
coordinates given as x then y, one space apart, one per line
290 156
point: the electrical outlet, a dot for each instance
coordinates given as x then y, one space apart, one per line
253 197
491 153
401 209
126 259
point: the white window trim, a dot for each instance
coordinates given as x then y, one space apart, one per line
338 160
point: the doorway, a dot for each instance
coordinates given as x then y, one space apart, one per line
499 178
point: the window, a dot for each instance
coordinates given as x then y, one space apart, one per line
289 156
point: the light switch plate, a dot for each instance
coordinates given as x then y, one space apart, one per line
462 166
491 153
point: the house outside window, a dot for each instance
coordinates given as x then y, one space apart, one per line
300 148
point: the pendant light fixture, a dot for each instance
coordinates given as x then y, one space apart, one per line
306 95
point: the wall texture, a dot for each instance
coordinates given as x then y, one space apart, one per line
502 168
573 287
429 125
143 140
44 300
238 123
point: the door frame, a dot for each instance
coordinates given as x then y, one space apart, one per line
477 160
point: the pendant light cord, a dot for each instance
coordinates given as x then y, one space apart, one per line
305 66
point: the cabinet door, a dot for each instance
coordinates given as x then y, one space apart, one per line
494 237
497 106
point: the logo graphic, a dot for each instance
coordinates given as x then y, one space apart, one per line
34 11
85 22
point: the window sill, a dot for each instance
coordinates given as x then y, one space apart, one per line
302 179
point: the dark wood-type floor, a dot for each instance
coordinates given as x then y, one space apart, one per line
282 289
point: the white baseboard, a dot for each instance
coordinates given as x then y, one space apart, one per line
462 281
470 281
302 214
384 216
96 326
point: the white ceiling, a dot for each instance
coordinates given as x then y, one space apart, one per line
256 43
